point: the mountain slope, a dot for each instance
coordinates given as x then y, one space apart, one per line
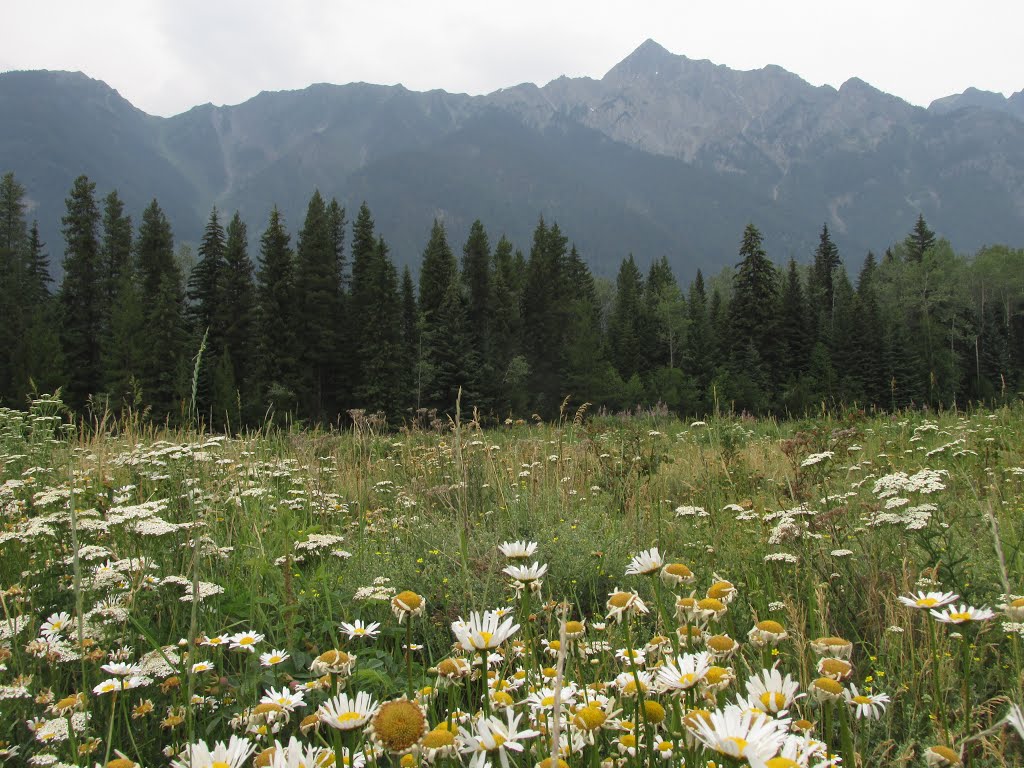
663 155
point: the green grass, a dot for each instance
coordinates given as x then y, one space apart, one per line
427 511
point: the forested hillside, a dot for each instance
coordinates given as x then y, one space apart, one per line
320 322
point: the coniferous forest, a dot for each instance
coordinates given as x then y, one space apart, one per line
319 325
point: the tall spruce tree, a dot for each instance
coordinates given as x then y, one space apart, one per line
238 323
440 292
318 309
376 292
545 317
820 289
13 234
795 334
410 350
364 253
205 281
276 361
753 314
81 295
37 358
919 240
624 332
699 353
476 281
509 363
872 353
163 370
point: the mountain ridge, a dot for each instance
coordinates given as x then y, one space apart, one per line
761 145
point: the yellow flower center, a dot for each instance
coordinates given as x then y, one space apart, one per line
574 627
348 717
927 602
485 638
711 604
589 718
220 764
720 590
959 616
861 699
410 599
771 626
773 700
399 724
627 740
654 711
782 762
504 699
828 685
499 740
715 675
438 738
687 680
620 599
547 701
739 745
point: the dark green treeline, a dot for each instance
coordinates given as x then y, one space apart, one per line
320 325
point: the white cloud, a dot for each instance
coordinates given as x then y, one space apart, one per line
168 55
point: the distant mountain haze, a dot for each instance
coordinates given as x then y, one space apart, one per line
664 155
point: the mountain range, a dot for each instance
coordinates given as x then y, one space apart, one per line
664 155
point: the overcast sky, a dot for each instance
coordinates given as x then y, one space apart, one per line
166 56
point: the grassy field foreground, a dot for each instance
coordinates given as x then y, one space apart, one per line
641 591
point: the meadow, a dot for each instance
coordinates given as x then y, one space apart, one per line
597 591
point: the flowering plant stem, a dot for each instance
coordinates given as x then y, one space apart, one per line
939 702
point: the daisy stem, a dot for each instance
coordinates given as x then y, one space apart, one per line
938 703
846 736
408 656
110 728
483 678
826 726
641 712
967 659
131 736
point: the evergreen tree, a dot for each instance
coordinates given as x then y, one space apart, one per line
36 355
870 360
794 334
589 375
476 280
847 341
410 367
13 236
276 361
624 333
919 240
205 282
375 296
451 356
545 318
753 320
163 368
81 295
821 291
508 362
699 353
438 271
116 249
318 309
237 316
364 251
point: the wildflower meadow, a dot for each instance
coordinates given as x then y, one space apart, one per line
591 591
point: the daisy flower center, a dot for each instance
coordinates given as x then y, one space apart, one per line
737 745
